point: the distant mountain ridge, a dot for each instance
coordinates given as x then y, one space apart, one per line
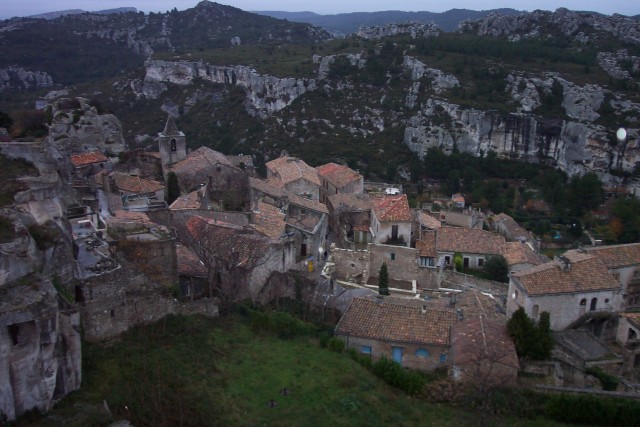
59 13
348 23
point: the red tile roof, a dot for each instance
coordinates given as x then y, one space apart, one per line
338 175
617 256
351 202
427 245
135 184
521 253
308 203
203 158
428 221
482 340
84 159
396 323
469 240
392 208
586 273
268 220
289 169
188 263
188 201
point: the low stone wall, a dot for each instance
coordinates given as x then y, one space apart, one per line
454 280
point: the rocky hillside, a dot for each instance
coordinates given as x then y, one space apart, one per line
82 47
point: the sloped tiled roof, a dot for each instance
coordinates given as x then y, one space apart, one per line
84 159
633 318
135 184
480 339
188 201
392 208
469 240
426 246
268 220
521 253
474 303
227 242
396 322
514 230
428 221
338 175
271 188
188 263
203 158
308 203
170 128
351 202
617 256
289 169
586 273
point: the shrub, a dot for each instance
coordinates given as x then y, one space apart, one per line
324 338
45 235
335 344
608 382
392 373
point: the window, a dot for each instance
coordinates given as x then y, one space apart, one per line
594 303
173 145
422 352
394 232
365 349
480 262
393 256
583 302
534 312
465 262
443 357
426 261
113 313
447 259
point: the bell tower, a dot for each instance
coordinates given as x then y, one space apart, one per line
172 145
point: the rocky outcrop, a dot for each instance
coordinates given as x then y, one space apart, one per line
612 62
439 81
576 148
130 38
78 127
415 29
570 23
324 62
19 78
264 94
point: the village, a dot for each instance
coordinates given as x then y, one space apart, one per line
231 236
183 232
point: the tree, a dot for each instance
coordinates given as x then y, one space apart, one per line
5 120
626 221
457 261
532 341
173 189
497 268
383 280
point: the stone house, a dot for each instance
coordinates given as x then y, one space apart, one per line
128 185
573 287
628 336
338 179
520 256
468 218
623 262
295 176
512 231
350 219
458 200
192 274
391 220
227 185
475 246
88 164
417 337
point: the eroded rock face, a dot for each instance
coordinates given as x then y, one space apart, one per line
415 29
574 147
78 127
19 78
265 94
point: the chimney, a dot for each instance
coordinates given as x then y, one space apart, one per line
424 309
566 263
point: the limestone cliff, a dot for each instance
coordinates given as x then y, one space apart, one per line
20 78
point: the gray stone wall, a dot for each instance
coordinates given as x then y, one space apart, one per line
402 262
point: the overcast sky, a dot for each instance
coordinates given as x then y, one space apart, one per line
12 8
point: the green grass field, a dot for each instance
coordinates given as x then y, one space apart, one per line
194 371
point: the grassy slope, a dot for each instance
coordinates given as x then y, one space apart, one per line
198 371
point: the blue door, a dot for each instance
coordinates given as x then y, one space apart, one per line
397 354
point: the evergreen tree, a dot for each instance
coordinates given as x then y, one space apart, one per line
173 189
383 280
497 268
532 341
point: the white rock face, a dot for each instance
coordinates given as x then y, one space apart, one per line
75 130
265 94
440 81
415 29
581 103
19 78
576 148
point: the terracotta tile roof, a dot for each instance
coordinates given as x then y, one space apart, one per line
633 318
395 322
268 220
480 339
617 256
469 240
514 230
457 198
474 303
129 216
338 175
227 242
521 253
135 184
586 273
427 245
351 202
84 159
392 208
308 203
272 188
188 263
428 221
188 201
203 158
289 169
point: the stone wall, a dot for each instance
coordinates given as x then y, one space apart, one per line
351 265
402 262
